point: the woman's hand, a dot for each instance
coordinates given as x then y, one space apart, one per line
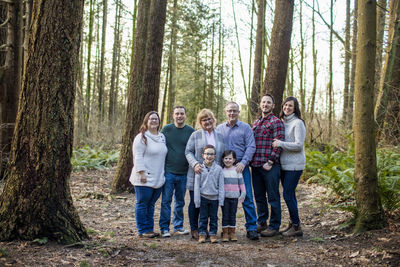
240 167
142 177
275 143
197 168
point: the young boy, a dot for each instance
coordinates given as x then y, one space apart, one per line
208 193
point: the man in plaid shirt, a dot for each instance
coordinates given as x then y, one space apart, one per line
266 168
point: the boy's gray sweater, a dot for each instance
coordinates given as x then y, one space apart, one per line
209 184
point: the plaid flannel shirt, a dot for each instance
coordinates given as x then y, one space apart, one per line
265 131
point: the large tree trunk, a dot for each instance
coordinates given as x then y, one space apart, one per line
36 200
258 59
370 214
11 62
144 85
277 62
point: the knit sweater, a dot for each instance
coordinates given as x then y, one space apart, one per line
149 158
209 184
234 184
293 157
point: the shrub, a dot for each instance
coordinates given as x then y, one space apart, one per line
86 158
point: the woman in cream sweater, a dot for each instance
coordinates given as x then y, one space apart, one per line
149 151
293 160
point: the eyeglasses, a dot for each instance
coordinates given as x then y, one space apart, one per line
206 119
209 154
153 119
232 111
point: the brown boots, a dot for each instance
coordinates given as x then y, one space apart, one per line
229 233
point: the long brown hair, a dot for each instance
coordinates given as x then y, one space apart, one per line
296 111
143 128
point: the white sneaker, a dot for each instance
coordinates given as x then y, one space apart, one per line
182 232
165 234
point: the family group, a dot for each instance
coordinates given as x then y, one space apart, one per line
213 164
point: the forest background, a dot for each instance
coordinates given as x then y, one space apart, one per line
217 51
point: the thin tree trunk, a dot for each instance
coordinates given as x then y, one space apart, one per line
277 64
210 94
172 62
314 53
36 201
370 214
353 65
258 59
380 31
301 71
102 63
347 57
330 84
112 100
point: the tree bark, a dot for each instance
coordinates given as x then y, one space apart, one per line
102 55
36 200
347 57
370 214
387 104
350 108
10 74
277 62
144 85
258 59
380 32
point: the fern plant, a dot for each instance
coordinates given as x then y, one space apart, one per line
87 158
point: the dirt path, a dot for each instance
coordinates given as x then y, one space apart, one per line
114 242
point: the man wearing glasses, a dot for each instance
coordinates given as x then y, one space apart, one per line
238 136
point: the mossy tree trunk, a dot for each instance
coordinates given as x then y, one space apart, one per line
36 200
370 214
143 91
277 63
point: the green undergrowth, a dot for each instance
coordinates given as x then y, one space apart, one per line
87 158
334 169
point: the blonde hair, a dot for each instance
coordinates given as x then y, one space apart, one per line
204 113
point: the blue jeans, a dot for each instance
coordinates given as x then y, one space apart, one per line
267 182
177 183
193 212
208 209
248 203
146 198
289 180
229 212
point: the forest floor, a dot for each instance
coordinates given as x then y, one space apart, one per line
114 242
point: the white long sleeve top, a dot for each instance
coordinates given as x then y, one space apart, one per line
149 158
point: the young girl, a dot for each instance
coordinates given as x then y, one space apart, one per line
208 194
234 190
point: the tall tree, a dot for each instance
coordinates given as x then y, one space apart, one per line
258 59
102 63
172 61
277 62
301 68
380 32
144 84
36 200
112 102
330 83
315 73
370 214
11 62
347 57
353 65
386 108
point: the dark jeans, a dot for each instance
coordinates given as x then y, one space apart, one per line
289 180
146 197
229 212
208 209
173 183
194 213
267 182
